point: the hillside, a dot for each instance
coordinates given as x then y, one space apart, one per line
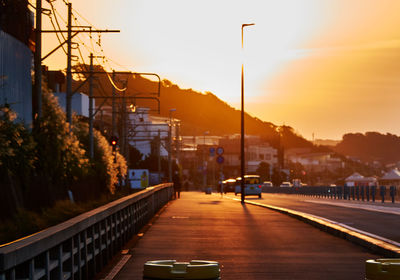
371 146
198 111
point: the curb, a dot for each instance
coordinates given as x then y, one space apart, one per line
373 243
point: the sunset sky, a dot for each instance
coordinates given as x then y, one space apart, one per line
326 67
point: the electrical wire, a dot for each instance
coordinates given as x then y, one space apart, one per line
55 17
54 27
91 48
114 85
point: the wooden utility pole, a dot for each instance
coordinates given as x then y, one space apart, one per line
113 107
37 96
91 142
68 106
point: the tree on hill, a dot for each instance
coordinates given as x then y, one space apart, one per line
371 146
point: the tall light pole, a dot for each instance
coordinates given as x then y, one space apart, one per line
242 159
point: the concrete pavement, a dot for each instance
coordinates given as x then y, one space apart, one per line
249 242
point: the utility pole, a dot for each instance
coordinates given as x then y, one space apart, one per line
159 156
37 97
38 57
68 106
124 123
91 144
169 152
69 31
113 107
177 142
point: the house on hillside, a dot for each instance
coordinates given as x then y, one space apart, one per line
144 129
356 179
391 178
261 153
316 161
256 151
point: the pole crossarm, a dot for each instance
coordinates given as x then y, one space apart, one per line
59 46
85 31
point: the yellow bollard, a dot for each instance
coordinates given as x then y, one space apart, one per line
382 269
171 269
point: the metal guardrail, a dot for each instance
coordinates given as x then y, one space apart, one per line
81 246
364 193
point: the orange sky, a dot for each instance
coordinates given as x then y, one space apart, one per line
326 67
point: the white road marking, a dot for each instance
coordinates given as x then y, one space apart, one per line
368 207
117 268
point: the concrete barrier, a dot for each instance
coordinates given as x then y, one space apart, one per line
80 247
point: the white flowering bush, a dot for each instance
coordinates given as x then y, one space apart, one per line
105 172
17 158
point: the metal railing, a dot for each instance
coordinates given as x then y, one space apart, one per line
81 246
362 193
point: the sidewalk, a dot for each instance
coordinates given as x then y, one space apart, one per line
249 242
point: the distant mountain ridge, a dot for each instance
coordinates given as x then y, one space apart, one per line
199 112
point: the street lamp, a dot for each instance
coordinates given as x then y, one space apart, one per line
169 145
242 162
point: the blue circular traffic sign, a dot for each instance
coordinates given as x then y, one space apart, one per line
220 151
220 159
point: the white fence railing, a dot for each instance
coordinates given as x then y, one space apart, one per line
81 246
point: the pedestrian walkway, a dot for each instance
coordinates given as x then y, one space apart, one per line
249 242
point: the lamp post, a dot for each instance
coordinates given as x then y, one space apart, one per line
169 145
242 159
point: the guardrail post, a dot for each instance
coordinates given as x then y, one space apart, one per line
373 192
367 192
383 190
392 192
358 192
362 193
32 269
60 262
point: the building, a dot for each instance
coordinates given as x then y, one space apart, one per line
16 23
316 161
79 103
256 151
144 129
261 153
391 178
357 179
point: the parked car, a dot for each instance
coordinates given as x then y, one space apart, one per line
252 185
229 185
267 184
286 185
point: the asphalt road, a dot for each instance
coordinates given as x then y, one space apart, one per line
382 219
249 242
